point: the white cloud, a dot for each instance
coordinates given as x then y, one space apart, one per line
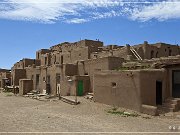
81 11
108 14
160 11
77 20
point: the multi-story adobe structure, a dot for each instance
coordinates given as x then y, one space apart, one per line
5 78
135 77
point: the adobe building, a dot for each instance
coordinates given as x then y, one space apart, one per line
141 77
5 78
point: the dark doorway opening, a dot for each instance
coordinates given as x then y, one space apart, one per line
152 54
176 84
158 93
48 86
62 61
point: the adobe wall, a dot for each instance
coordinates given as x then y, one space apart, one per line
79 54
148 80
31 73
169 72
92 66
69 56
45 59
25 86
47 75
86 83
42 52
2 76
69 86
42 79
101 54
26 63
164 49
18 65
18 74
130 89
55 58
118 89
122 52
72 52
30 62
52 72
4 70
148 51
71 69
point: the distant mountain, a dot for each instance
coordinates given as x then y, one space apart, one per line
4 70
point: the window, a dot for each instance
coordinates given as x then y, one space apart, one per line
62 60
37 55
113 84
44 79
54 59
86 73
45 60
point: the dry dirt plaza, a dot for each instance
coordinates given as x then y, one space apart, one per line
23 114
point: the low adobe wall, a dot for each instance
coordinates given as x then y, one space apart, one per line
129 89
148 80
25 86
118 88
69 86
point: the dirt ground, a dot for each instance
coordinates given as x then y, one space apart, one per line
20 114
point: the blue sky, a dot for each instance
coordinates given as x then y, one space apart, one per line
29 25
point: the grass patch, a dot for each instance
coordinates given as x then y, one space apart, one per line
122 68
8 94
122 113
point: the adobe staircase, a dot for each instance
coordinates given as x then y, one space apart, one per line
170 105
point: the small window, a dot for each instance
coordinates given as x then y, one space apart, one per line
54 59
38 55
45 60
113 84
86 73
61 59
80 55
44 79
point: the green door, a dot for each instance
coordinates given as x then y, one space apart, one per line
80 88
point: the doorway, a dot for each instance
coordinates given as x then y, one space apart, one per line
80 88
176 84
158 93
